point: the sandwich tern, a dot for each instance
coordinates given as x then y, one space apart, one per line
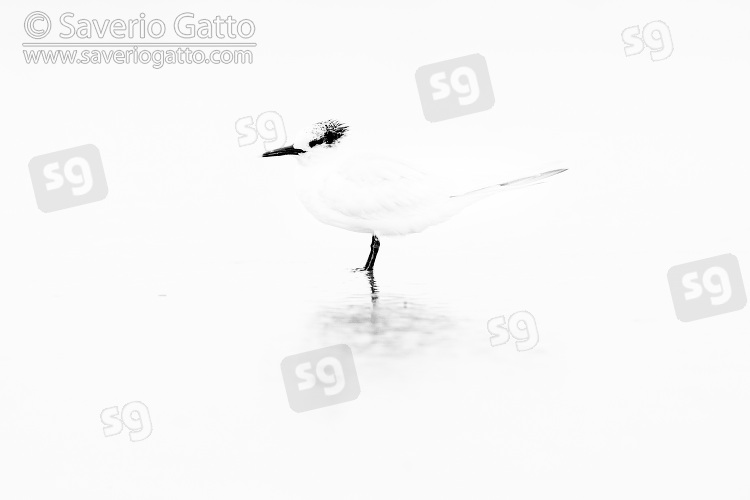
374 195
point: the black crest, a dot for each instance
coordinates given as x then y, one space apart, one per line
328 133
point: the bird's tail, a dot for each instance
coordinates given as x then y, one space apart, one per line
476 195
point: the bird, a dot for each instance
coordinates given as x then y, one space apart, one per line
373 194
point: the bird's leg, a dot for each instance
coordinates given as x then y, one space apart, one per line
374 246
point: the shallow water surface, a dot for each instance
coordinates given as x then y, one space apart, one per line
374 321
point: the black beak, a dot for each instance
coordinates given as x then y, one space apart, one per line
286 150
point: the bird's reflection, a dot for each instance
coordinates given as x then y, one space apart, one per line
383 322
373 286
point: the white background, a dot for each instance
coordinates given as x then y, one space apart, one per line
618 400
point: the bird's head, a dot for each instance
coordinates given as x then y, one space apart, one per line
322 136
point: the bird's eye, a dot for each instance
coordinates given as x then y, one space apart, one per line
319 140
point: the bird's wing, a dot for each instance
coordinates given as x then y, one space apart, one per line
378 188
478 194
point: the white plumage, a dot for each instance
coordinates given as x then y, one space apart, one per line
373 195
